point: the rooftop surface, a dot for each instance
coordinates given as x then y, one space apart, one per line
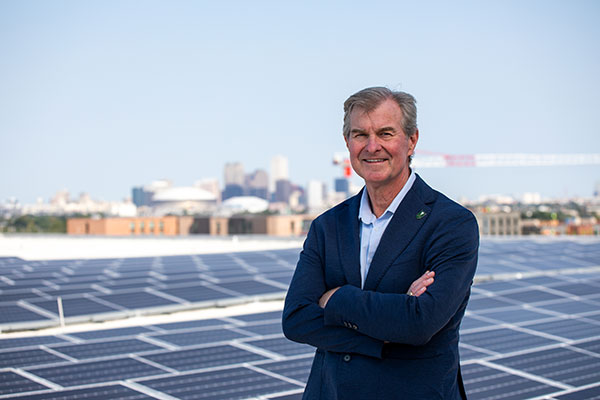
207 325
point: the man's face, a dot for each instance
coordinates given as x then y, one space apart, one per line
378 147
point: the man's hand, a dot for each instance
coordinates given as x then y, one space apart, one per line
325 298
419 286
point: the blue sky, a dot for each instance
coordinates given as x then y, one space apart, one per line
100 96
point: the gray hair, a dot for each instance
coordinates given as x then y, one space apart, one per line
370 98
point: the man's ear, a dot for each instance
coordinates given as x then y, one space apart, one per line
412 143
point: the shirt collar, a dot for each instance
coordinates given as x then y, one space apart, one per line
365 214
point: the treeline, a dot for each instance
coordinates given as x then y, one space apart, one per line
34 224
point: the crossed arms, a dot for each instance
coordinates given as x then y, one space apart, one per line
349 319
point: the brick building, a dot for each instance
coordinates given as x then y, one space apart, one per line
274 225
159 226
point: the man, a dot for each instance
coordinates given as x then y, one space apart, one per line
361 293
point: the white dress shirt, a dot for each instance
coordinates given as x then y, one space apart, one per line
372 228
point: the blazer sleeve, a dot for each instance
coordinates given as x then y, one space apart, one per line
451 251
303 318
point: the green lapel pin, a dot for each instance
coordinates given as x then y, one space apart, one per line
421 214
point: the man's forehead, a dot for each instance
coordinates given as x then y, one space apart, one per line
387 106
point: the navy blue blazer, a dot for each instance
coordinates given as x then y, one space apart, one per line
378 342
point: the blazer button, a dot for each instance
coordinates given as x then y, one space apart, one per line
347 357
354 327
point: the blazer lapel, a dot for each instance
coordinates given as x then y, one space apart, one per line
348 240
406 222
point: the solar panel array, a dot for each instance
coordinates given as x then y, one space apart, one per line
102 289
537 337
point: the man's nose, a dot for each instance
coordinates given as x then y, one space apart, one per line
373 144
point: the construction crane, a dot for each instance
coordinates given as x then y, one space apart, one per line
427 159
424 159
341 159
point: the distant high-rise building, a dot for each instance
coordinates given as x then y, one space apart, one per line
342 185
232 190
61 198
234 180
142 196
257 184
283 190
234 174
211 185
531 198
279 171
315 196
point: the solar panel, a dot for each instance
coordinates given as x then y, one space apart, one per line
592 393
200 337
14 343
514 315
558 364
504 340
297 396
110 333
112 392
23 358
226 384
73 307
294 368
202 323
485 303
198 358
11 383
593 346
483 382
76 374
530 296
16 295
471 321
196 292
106 348
570 307
467 353
268 316
264 329
137 300
12 313
251 287
579 289
281 345
567 328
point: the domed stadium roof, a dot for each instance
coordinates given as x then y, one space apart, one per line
183 193
246 203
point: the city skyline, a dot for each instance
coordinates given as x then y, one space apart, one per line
97 97
247 174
